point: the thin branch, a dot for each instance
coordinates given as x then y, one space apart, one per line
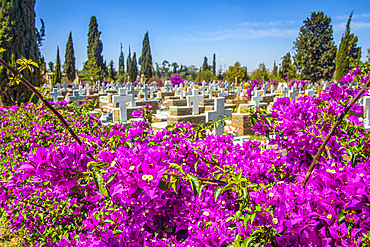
34 90
201 179
336 124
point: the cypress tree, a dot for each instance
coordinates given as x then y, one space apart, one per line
146 58
315 48
111 71
274 70
286 66
121 63
133 69
57 78
19 37
347 52
205 64
128 62
94 46
70 61
214 64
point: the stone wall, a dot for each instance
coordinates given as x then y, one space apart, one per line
243 123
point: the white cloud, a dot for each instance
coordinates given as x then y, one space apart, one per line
355 25
222 59
364 15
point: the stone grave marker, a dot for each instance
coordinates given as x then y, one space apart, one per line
103 87
146 90
222 93
366 110
81 90
122 99
75 98
195 99
210 92
58 86
285 91
293 94
55 93
152 92
219 106
133 93
87 88
257 99
65 85
181 89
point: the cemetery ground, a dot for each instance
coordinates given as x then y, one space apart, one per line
215 164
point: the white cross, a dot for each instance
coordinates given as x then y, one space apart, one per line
133 94
151 92
88 87
195 100
176 89
121 99
223 93
300 86
210 92
227 87
293 94
103 87
257 98
181 89
81 90
55 93
75 98
168 87
286 91
220 110
58 86
232 86
65 85
265 88
146 90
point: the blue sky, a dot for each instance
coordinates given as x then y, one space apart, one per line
250 32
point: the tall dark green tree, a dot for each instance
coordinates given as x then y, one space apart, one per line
205 64
145 60
128 60
286 67
51 66
315 49
111 71
214 64
57 78
94 46
347 52
70 61
19 37
133 73
121 63
275 70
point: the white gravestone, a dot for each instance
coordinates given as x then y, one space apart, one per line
133 93
145 90
367 112
122 99
220 110
75 98
55 93
195 99
257 99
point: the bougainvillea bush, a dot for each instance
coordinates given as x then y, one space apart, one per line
179 187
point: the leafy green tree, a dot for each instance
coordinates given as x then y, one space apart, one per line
287 69
214 64
91 72
235 71
175 66
146 58
315 50
205 75
133 73
205 64
51 66
111 71
275 70
19 37
347 52
57 78
95 47
121 63
70 61
262 73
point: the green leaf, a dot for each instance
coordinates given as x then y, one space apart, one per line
217 192
164 185
194 182
111 177
98 180
175 183
107 221
176 167
2 50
